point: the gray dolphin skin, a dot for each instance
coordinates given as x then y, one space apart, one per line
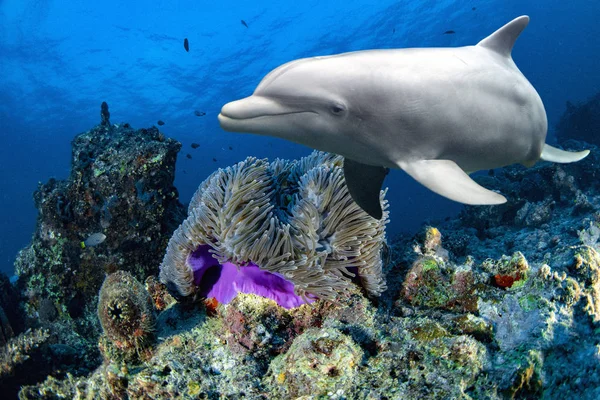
436 113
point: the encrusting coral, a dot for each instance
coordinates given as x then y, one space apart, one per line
286 230
125 311
17 350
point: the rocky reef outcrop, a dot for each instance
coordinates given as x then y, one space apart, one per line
121 185
115 211
580 121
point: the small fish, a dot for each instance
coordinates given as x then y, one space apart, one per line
160 122
230 148
199 113
214 159
394 30
93 240
244 23
186 44
474 8
195 145
188 155
450 32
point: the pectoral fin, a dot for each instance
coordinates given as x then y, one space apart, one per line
446 178
364 184
553 154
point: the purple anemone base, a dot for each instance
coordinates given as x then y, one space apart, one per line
225 281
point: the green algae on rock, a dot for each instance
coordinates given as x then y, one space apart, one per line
430 282
320 362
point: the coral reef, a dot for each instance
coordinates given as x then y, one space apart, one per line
284 230
502 302
159 294
548 204
529 339
432 283
120 185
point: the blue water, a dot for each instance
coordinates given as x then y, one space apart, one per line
59 60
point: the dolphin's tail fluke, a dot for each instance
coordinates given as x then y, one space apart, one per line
553 154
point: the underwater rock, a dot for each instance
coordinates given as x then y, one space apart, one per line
17 350
537 323
521 341
47 311
547 202
319 362
121 185
11 320
535 214
586 280
430 282
159 293
258 326
580 121
507 271
6 331
126 313
422 357
286 230
20 360
104 114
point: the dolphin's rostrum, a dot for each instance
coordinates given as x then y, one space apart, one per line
437 113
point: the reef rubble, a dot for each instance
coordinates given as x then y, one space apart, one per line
502 302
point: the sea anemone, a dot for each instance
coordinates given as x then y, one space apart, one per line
125 312
286 230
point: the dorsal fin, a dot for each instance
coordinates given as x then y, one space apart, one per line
503 40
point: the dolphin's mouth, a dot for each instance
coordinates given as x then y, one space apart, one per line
223 116
246 114
256 124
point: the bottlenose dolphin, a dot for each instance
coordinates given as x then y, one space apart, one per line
436 113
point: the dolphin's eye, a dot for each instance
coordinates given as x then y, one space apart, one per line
337 109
